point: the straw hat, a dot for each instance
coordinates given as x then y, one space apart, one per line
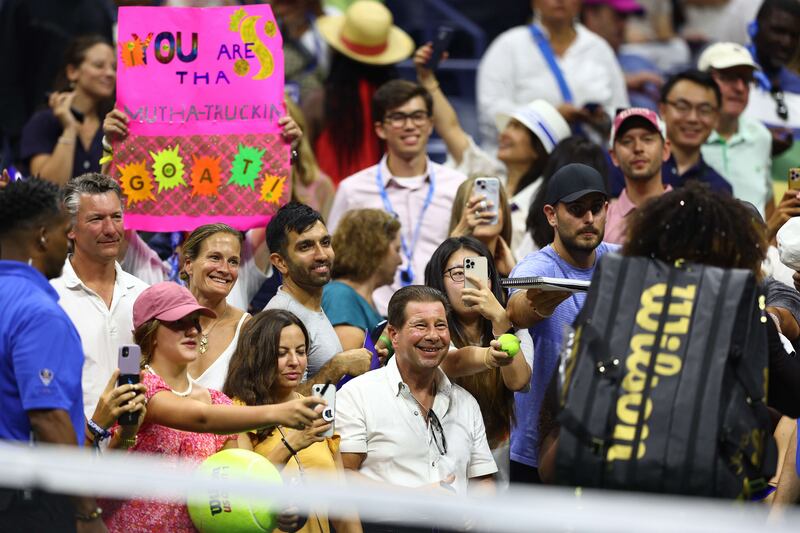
367 34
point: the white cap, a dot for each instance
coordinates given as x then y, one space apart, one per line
725 55
789 243
542 119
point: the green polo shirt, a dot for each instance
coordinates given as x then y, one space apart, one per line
744 160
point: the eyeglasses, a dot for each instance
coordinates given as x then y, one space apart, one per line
398 119
456 273
185 323
438 433
684 108
578 210
727 76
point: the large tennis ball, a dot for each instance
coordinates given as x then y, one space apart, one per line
509 343
213 511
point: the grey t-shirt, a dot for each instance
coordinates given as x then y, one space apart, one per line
323 341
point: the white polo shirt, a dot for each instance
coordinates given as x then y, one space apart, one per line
102 330
376 415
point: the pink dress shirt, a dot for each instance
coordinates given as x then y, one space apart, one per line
616 219
407 196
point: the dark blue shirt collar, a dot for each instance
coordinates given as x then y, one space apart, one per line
21 270
700 171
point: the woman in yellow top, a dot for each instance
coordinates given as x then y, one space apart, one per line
267 367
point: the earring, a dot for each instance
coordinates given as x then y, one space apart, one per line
42 241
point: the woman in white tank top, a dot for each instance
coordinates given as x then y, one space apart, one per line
211 258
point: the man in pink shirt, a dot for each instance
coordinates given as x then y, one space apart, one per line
405 182
639 146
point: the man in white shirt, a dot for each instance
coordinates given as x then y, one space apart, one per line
406 423
405 182
514 70
95 292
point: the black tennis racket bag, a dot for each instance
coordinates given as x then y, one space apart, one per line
665 382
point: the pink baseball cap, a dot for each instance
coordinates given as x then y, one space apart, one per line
627 7
166 301
650 116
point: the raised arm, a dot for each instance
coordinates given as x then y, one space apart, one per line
445 119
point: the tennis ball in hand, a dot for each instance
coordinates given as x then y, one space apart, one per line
509 343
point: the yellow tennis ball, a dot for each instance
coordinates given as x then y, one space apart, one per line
509 343
216 512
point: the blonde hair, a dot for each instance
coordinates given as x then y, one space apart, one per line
305 170
191 246
462 196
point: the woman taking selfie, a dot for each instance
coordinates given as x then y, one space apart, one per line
184 420
269 363
65 140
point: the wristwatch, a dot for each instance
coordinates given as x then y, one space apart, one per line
92 515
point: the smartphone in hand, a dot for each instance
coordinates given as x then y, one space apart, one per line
444 34
129 359
328 393
490 189
794 179
476 267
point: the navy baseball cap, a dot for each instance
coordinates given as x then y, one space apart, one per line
572 182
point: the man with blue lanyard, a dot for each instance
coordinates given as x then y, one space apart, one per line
575 205
40 352
405 182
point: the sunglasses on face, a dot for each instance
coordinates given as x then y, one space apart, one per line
579 210
184 324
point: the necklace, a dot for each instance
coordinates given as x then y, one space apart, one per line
183 394
204 335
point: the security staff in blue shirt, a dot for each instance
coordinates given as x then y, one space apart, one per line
40 352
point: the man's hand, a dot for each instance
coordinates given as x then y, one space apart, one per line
543 302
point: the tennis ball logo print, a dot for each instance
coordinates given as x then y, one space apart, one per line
206 175
168 168
246 166
245 25
136 182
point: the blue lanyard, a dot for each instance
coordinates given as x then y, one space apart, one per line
407 275
550 58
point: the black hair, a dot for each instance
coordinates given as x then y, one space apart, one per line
412 293
293 216
573 149
537 167
768 6
27 203
695 76
434 277
344 111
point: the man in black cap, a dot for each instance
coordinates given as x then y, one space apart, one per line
576 206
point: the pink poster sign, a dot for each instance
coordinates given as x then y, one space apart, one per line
203 88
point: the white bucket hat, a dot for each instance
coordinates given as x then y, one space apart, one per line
542 119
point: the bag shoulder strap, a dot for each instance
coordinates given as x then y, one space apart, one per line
550 57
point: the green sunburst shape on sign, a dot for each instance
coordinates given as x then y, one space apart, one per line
246 166
168 168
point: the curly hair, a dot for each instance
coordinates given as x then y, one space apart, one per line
194 242
359 231
27 203
697 225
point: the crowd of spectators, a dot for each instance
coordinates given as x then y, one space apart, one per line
648 128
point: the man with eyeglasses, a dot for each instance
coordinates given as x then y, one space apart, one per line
740 147
406 423
690 103
639 148
576 203
405 182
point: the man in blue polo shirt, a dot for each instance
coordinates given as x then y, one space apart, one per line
576 205
40 351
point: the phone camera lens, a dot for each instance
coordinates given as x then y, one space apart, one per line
327 415
124 352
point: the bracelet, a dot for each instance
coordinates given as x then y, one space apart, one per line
99 433
93 515
289 447
64 140
106 145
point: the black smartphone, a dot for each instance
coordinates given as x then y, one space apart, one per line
440 45
129 359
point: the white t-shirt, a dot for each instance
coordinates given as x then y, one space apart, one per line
377 416
102 330
513 72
